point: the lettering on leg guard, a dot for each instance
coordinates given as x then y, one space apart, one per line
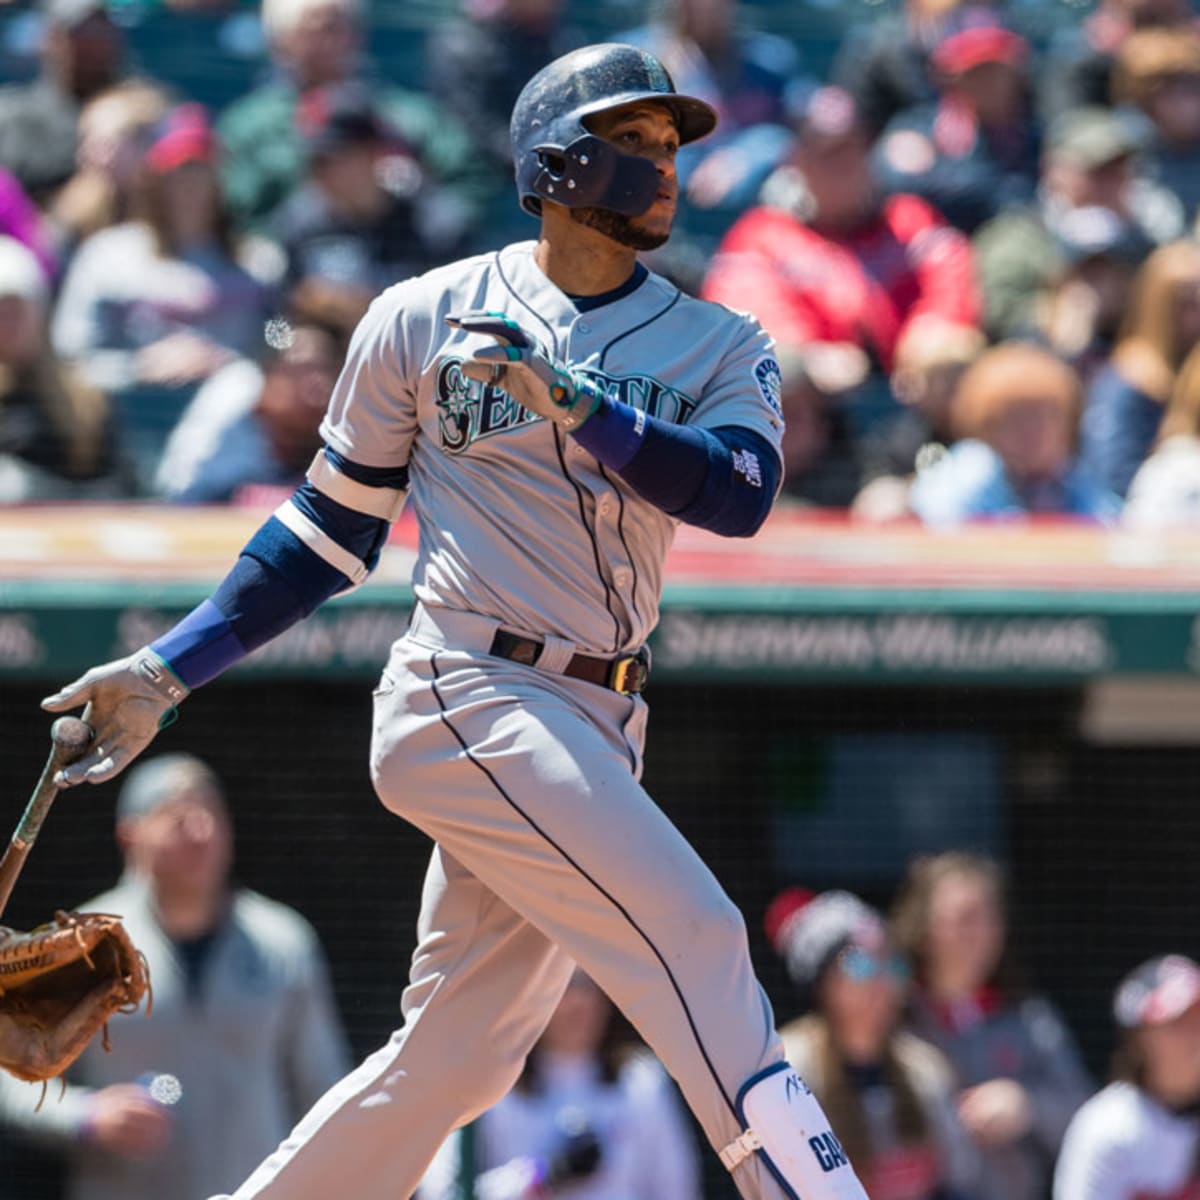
789 1131
829 1151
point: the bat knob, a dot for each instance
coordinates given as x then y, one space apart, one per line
71 734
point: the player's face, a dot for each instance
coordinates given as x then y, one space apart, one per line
648 131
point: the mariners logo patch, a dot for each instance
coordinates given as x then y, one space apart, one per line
469 410
770 383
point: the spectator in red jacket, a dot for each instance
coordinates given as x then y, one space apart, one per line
833 268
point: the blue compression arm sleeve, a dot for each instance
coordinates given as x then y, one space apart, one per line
721 479
276 582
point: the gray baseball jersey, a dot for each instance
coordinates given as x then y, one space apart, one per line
548 850
518 521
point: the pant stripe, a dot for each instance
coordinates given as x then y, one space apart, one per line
599 887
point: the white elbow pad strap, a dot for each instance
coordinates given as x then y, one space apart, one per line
382 502
788 1129
321 544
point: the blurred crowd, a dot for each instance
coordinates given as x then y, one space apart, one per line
950 1077
946 1073
974 241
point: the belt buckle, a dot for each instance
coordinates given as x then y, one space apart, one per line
629 674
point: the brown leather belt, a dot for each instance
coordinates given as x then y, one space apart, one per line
627 674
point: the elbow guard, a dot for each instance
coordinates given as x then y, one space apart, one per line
739 487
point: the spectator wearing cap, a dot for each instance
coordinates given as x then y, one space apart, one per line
1139 1138
885 63
1091 204
974 150
1165 492
314 44
1080 309
150 308
834 269
1158 74
1016 1066
1015 417
53 428
1127 397
1080 58
366 216
82 53
889 1094
243 1020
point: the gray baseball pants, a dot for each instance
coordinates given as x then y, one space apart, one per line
549 853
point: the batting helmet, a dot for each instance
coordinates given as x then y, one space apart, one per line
558 158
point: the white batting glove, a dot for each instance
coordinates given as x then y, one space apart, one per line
128 701
521 366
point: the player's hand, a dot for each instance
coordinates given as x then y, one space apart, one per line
520 366
128 701
124 1120
996 1113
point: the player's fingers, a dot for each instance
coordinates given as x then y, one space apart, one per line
500 354
113 763
483 372
71 696
76 773
100 764
491 371
495 325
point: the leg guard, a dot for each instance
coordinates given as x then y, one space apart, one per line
786 1127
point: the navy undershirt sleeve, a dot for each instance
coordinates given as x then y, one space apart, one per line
393 477
723 479
277 581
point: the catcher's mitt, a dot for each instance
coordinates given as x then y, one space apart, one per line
59 983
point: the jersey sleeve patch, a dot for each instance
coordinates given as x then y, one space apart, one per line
770 384
746 464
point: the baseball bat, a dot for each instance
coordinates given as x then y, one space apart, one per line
69 738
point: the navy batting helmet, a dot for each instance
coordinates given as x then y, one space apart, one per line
558 158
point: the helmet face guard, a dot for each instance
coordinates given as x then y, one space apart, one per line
591 173
556 155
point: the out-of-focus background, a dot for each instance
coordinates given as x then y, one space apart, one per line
972 622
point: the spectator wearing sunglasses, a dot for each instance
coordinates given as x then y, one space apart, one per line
1019 1075
889 1094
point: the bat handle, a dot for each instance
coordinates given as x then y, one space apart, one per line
69 738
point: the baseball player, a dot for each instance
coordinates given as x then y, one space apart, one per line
552 411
